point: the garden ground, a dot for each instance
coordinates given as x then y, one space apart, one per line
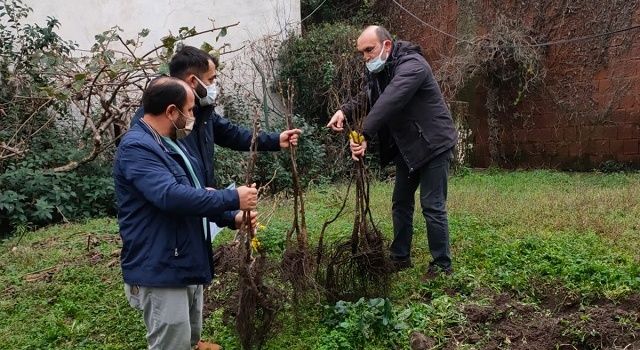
543 260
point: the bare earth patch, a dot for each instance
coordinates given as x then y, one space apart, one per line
557 323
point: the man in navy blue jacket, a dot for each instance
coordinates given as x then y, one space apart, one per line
199 70
162 210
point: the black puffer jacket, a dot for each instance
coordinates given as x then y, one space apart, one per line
407 110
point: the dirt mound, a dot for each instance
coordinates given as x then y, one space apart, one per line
559 321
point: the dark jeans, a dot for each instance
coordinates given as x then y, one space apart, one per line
432 178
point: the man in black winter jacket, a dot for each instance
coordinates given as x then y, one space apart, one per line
406 111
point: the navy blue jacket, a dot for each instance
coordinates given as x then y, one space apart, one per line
212 129
160 213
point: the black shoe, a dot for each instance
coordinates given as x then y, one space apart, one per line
400 264
434 271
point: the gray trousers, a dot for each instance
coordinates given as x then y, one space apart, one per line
432 179
173 316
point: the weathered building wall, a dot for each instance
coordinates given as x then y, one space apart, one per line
586 112
81 20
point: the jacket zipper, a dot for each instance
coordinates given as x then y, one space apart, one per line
175 250
402 153
420 131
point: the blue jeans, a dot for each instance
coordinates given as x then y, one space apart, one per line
432 178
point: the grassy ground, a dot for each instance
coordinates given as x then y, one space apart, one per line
540 251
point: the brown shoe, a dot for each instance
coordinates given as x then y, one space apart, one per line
203 345
434 271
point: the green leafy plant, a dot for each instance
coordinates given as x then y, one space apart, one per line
354 324
29 103
435 318
309 63
63 112
35 197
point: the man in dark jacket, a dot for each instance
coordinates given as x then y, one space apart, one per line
199 70
406 111
162 210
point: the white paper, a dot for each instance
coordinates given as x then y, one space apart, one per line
213 228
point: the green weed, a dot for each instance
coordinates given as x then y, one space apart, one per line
512 232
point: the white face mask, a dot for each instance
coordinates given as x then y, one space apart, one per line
188 126
212 93
375 65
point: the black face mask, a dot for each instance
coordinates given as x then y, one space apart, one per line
200 90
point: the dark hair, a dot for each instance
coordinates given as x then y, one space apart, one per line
383 34
190 60
163 92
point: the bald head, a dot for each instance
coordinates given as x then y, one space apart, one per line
380 32
372 41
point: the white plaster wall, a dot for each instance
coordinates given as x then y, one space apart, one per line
82 19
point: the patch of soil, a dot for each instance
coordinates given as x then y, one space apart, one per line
557 322
420 341
556 299
219 295
222 293
605 326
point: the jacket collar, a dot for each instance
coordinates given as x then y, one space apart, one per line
202 113
151 131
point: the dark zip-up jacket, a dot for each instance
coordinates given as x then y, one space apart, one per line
164 243
405 109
